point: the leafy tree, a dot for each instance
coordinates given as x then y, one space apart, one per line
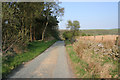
51 9
25 21
67 35
74 28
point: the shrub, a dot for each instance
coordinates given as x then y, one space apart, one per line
83 34
67 35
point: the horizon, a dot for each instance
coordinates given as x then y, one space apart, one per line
93 29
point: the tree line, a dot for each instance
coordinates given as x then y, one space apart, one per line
24 22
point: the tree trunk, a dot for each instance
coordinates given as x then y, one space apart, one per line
31 29
34 34
24 24
22 27
44 31
10 46
31 32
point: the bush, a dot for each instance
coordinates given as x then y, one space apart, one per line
67 35
90 35
83 34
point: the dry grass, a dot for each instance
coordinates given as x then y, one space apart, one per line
101 38
100 53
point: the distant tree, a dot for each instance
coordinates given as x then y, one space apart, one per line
83 34
67 35
74 28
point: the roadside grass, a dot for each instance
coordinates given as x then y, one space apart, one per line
34 49
113 72
89 64
67 42
80 64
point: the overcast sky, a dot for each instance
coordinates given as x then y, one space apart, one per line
91 15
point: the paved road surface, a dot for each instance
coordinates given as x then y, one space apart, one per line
52 63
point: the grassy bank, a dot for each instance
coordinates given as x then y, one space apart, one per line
34 49
80 65
91 64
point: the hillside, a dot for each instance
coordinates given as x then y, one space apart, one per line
97 31
101 31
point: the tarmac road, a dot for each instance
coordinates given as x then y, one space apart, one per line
52 63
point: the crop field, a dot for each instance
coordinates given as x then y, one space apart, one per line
100 38
97 56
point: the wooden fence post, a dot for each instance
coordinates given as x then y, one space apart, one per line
102 38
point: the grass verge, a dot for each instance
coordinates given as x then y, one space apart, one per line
80 65
91 65
34 49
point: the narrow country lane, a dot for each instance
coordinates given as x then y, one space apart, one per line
52 63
